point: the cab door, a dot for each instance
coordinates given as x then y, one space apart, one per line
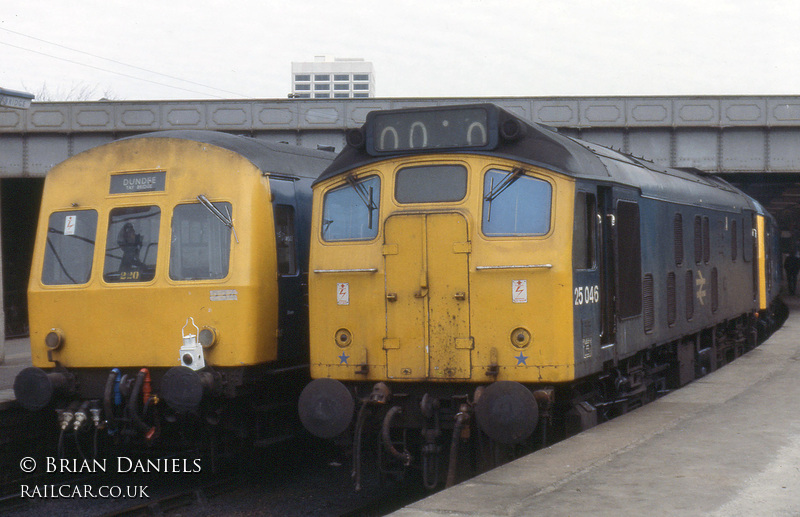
761 262
291 300
621 262
427 297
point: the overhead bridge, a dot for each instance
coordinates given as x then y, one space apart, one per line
726 135
754 141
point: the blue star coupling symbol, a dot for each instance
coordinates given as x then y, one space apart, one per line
521 358
343 358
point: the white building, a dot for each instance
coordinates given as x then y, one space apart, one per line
333 78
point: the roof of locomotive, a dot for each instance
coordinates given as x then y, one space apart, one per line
266 156
544 147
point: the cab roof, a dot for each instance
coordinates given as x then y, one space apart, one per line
266 156
544 147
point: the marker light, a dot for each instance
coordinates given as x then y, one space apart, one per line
208 337
343 337
520 337
54 339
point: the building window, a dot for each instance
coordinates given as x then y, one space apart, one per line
341 86
325 77
341 77
361 87
302 96
322 95
361 77
299 87
341 95
302 77
323 86
360 95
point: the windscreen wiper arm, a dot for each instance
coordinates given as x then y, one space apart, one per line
366 197
224 219
509 178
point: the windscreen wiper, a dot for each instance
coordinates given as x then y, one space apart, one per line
224 219
506 182
366 197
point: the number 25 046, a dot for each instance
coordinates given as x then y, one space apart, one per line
587 294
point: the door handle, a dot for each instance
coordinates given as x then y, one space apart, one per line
423 284
460 295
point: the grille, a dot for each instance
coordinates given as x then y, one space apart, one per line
649 309
714 291
689 295
672 310
698 240
678 230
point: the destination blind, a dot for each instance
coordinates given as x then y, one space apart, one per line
134 183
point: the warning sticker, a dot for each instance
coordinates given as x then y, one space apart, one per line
343 293
519 291
69 224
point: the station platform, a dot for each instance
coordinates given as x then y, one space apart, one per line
725 445
18 357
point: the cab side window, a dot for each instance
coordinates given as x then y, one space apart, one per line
285 240
583 246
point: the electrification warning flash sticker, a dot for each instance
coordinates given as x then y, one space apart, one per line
343 293
69 225
519 291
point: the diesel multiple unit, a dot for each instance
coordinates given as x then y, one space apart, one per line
168 284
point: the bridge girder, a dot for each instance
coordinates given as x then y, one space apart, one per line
737 136
717 134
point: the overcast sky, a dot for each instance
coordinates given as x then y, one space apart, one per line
180 49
